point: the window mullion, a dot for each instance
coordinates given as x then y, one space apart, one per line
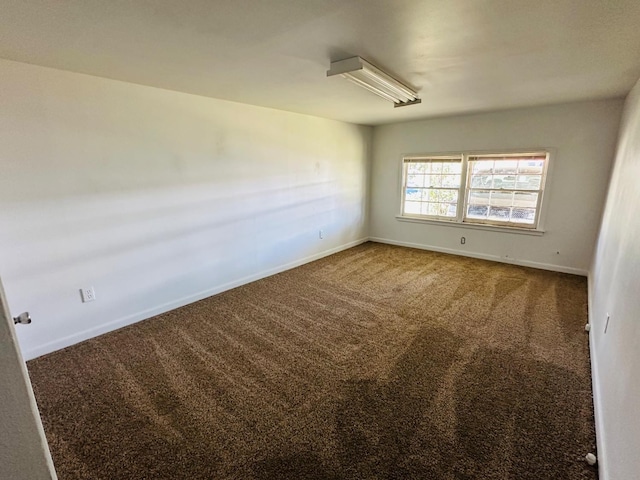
462 191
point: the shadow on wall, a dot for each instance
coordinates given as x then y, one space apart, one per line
108 227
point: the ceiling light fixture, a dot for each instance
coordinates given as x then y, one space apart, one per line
361 72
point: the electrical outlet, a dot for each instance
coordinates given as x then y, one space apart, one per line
320 234
88 294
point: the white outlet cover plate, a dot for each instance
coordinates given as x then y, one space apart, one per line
88 294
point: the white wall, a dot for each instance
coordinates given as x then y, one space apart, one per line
24 454
615 290
158 198
583 137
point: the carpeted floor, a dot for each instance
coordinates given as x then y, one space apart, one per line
379 362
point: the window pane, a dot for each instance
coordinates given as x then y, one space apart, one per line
436 167
452 168
412 207
481 181
506 167
413 194
448 196
479 197
433 180
528 182
499 213
531 166
432 196
502 199
477 211
521 199
417 168
504 181
415 180
449 209
523 215
450 180
434 209
443 209
482 167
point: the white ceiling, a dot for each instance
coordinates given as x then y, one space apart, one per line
463 55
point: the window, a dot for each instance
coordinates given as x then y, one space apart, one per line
489 189
432 186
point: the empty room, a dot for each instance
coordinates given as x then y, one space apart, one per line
316 239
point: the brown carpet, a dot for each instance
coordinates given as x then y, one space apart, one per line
379 362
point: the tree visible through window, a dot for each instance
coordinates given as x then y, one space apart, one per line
433 186
493 189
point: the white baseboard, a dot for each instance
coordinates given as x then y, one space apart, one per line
484 256
165 307
595 386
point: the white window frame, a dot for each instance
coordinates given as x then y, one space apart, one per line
460 221
407 160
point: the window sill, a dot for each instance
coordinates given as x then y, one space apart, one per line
475 226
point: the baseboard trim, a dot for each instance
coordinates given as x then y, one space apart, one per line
484 256
595 386
78 337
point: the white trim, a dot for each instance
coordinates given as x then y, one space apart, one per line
484 256
595 387
165 307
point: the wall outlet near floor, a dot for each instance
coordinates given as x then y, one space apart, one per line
463 240
88 294
320 234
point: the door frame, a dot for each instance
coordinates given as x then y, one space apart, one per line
28 456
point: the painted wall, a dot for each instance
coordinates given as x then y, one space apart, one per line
24 454
158 198
583 137
615 291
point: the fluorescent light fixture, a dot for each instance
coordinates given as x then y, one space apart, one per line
361 72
